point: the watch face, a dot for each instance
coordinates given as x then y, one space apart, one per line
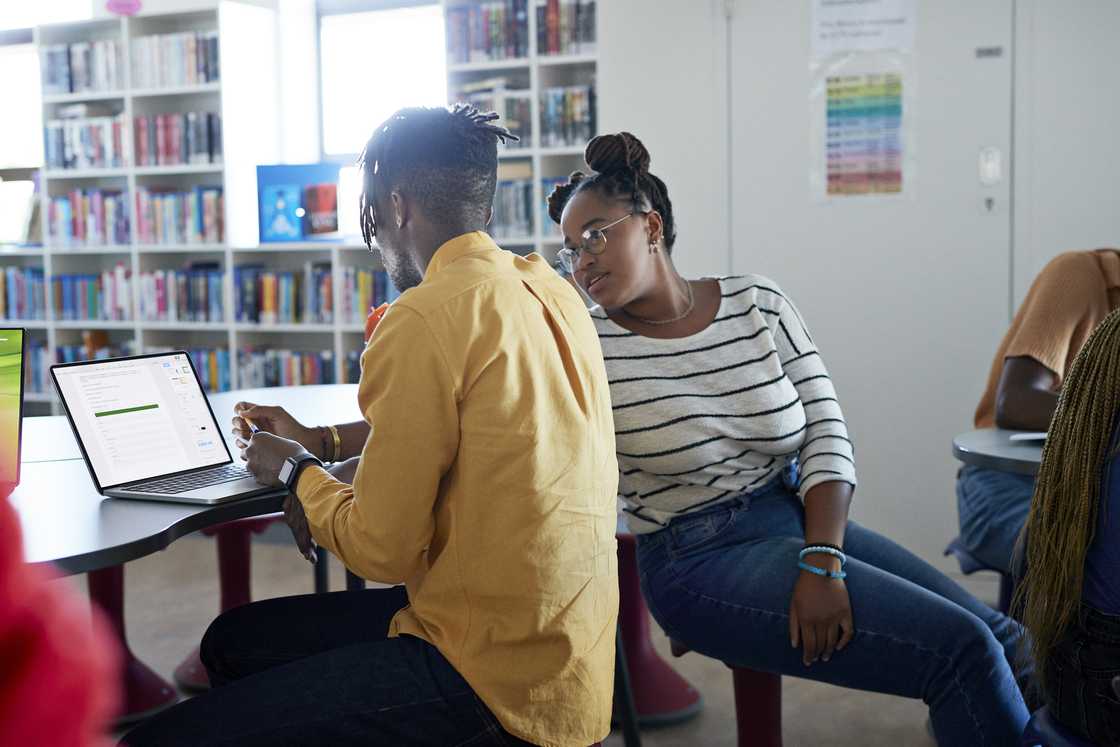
286 470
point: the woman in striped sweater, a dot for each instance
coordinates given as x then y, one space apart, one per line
737 473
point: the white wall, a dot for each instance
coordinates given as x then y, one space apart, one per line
663 75
1067 131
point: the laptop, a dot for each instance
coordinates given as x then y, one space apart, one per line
147 431
12 349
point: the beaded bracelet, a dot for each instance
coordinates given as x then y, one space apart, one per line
838 575
823 550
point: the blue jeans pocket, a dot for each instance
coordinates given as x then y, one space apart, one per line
688 534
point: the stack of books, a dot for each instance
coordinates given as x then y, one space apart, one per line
565 27
173 139
264 296
513 210
37 372
258 368
106 297
212 365
170 60
361 291
74 353
82 67
92 139
192 294
89 217
488 31
22 293
567 115
165 216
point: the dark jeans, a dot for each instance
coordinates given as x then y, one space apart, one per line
1084 663
319 670
992 507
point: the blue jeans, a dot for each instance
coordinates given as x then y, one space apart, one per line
1084 663
319 670
992 507
721 581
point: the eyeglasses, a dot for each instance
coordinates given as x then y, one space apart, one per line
593 241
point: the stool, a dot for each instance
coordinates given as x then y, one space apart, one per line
970 564
661 696
758 704
1042 730
234 559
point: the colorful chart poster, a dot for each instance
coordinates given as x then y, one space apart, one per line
863 134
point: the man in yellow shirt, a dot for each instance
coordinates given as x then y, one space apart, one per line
486 483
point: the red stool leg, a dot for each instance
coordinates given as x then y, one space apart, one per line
661 695
758 708
145 692
234 558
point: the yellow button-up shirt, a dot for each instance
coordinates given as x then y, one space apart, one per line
488 486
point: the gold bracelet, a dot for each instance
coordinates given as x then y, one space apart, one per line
337 443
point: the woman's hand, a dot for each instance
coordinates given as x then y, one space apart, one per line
275 420
820 617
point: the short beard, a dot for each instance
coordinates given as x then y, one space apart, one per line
402 270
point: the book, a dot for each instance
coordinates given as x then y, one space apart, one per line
89 217
258 367
567 115
166 216
566 27
176 139
193 293
320 204
280 217
22 294
106 296
266 296
487 31
85 137
81 67
362 290
170 60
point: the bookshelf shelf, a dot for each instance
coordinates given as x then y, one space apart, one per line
553 60
151 93
284 328
562 150
63 251
513 63
295 246
94 324
179 248
187 168
21 251
82 96
62 174
186 326
25 323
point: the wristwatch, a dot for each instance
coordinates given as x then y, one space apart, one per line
292 467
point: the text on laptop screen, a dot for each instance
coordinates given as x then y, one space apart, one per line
141 418
11 381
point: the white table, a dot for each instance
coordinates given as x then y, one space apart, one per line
993 448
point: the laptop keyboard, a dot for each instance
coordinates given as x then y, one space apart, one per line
193 481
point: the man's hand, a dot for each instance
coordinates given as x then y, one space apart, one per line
301 532
265 454
276 420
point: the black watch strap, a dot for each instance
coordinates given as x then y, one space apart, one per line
302 462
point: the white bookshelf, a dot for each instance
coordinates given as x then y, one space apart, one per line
543 71
250 117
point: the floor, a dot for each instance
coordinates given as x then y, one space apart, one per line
173 595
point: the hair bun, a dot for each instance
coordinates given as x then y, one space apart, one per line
619 151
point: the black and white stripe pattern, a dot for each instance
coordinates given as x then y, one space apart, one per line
723 412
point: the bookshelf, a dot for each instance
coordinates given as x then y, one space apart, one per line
543 47
248 135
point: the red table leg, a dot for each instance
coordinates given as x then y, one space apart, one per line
145 692
661 695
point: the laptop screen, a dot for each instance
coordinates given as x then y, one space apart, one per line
11 397
139 418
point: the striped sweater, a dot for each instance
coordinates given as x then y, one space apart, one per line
704 418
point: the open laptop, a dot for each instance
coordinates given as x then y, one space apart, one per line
12 349
146 430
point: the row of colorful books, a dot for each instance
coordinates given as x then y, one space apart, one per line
264 296
172 139
82 67
169 60
165 216
548 227
513 210
565 27
488 31
261 368
363 290
567 115
23 293
86 142
191 294
106 296
89 217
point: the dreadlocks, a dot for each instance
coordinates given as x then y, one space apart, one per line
1063 517
621 171
446 159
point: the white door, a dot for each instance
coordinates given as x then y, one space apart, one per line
907 298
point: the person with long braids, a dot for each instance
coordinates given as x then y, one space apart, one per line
484 482
737 472
1070 593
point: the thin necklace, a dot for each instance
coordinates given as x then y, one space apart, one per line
687 311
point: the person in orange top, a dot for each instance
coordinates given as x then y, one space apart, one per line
1069 298
486 484
58 675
